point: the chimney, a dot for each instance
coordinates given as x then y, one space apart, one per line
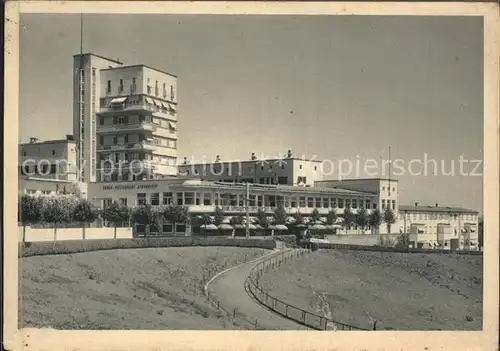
33 140
217 158
416 204
437 205
289 154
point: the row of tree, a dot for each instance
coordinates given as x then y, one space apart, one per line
63 210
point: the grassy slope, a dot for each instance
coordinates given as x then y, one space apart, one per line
402 291
160 288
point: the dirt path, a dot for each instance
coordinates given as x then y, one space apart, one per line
229 290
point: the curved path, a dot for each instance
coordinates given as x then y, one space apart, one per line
229 290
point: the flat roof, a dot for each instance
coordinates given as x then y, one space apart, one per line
441 209
105 58
285 188
267 160
139 65
48 180
58 141
354 179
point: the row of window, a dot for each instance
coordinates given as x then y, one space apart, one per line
390 203
53 152
207 199
133 88
29 170
436 216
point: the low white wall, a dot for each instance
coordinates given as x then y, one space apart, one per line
361 239
61 234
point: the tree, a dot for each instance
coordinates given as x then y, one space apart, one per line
403 241
331 217
349 218
175 214
115 214
30 211
315 215
374 219
280 215
144 215
218 216
84 213
236 220
361 218
389 219
262 218
56 210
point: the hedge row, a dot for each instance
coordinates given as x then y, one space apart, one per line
333 246
75 246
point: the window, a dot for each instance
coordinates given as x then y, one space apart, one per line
53 152
109 87
125 138
383 204
301 180
133 88
393 204
172 93
374 206
24 153
167 228
106 202
121 85
167 198
354 203
302 201
333 202
101 120
310 202
180 201
347 203
317 202
120 120
123 201
189 198
367 204
300 166
101 140
282 180
155 199
180 228
156 88
141 199
341 203
207 197
115 140
326 203
383 188
164 90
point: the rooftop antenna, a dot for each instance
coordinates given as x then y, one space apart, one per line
81 35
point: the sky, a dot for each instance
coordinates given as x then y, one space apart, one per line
335 88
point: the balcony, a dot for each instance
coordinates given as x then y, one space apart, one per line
162 112
117 128
143 145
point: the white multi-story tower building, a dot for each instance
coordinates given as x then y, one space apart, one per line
136 124
86 93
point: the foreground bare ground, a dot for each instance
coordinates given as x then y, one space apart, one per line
160 288
401 291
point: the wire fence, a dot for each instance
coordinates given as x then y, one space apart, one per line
273 303
299 315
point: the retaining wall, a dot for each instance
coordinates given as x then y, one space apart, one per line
75 246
